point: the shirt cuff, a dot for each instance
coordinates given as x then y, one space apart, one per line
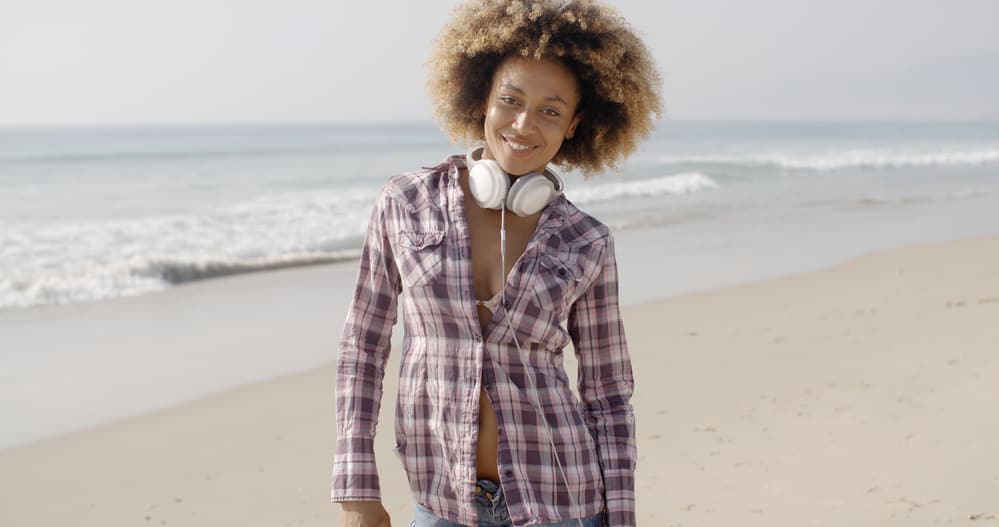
619 491
620 513
355 474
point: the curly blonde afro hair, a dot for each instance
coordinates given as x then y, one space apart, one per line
619 83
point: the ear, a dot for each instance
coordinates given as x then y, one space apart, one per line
571 131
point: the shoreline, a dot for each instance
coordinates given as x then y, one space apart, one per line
336 279
858 392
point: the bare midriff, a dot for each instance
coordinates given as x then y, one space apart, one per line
488 279
487 464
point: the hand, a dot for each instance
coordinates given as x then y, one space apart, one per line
363 514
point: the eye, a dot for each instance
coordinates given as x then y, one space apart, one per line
551 112
506 99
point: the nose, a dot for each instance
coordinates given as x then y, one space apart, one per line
524 121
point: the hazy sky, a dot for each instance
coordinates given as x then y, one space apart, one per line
141 61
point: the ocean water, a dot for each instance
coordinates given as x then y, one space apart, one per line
93 214
89 215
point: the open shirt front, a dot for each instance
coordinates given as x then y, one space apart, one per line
562 290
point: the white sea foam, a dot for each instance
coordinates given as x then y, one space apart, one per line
684 183
59 263
74 262
850 158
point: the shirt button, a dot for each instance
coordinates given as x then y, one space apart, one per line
478 338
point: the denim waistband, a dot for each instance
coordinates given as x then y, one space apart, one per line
489 496
492 510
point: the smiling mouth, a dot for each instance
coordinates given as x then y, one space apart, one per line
517 147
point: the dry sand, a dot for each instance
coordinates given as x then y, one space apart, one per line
862 395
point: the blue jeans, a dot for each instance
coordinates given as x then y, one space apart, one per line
491 506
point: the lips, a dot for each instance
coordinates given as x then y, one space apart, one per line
518 147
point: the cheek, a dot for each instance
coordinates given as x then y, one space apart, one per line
496 113
555 131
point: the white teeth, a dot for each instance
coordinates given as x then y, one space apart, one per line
518 148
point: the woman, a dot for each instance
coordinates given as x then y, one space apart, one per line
487 427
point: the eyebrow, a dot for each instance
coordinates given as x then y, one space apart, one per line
509 86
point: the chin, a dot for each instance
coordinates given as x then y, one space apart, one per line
520 167
513 164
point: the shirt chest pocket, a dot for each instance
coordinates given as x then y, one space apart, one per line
421 256
557 280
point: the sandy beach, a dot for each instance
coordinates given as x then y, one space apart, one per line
866 394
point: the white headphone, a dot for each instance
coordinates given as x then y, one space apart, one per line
491 187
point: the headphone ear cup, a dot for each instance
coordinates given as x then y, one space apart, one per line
488 183
529 194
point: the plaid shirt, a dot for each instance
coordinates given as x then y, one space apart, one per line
563 289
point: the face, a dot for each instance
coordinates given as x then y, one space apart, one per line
530 110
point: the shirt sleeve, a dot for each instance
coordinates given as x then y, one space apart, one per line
363 352
606 385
